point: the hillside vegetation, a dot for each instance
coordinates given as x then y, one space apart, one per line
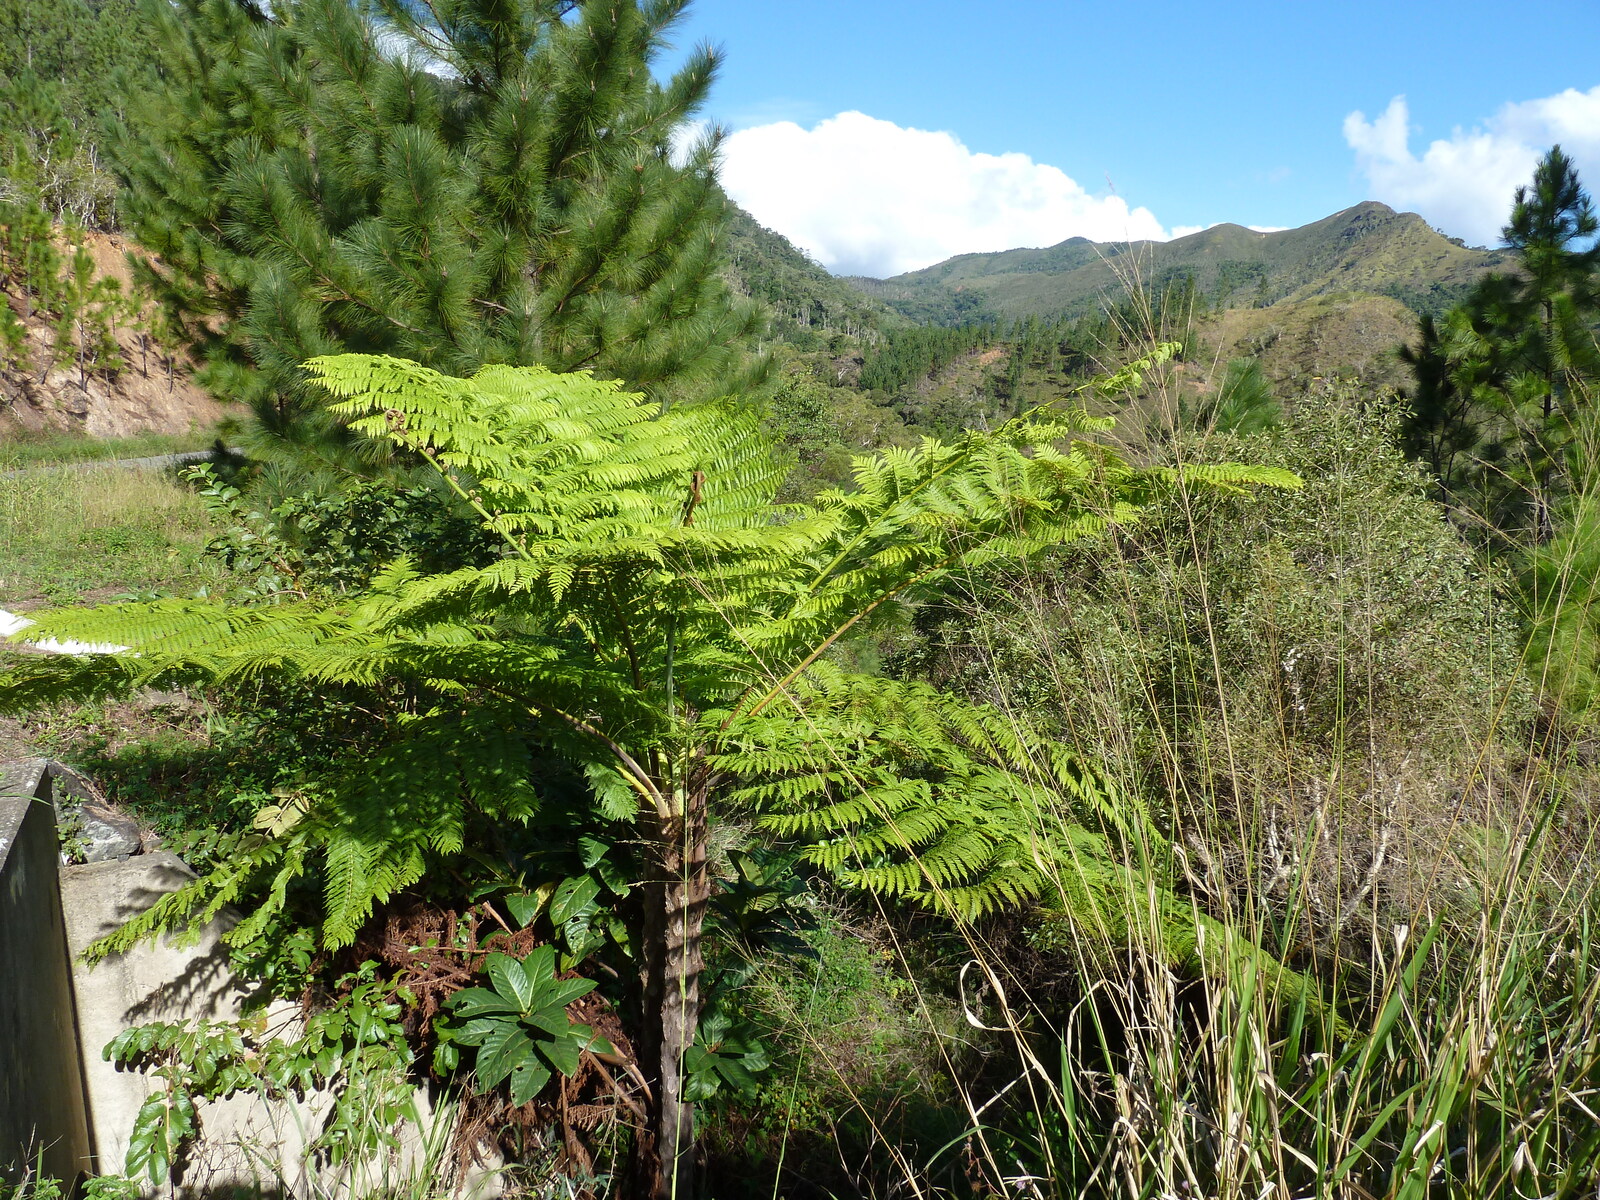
1368 248
1058 725
809 307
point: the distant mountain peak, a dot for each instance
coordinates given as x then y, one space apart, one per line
1366 248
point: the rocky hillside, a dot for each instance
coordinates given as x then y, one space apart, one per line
44 388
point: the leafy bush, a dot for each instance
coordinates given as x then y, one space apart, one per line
335 542
1316 677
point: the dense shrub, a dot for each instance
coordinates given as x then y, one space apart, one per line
1312 686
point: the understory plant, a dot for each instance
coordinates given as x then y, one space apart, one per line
660 625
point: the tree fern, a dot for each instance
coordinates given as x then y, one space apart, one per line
659 621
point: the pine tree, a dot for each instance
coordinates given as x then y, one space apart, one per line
1501 381
1555 302
462 183
662 624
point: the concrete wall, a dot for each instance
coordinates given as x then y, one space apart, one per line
247 1144
58 1093
42 1108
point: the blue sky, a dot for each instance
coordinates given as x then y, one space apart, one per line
1134 119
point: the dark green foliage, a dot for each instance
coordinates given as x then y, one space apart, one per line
908 356
518 1025
810 307
868 1055
1502 382
310 185
928 304
335 543
30 261
824 426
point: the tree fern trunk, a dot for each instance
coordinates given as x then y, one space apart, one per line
674 898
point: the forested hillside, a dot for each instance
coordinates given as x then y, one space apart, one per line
808 305
1368 248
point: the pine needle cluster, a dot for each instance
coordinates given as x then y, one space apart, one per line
461 183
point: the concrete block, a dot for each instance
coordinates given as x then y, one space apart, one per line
169 980
248 1142
43 1115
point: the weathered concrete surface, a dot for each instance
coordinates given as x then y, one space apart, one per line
43 1115
58 1093
246 1142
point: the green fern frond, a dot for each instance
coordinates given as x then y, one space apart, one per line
655 606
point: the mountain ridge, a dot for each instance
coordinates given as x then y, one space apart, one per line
1368 247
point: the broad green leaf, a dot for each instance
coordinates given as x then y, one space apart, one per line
572 898
511 980
476 1030
503 1050
553 1020
539 968
565 1052
528 1080
732 1070
525 907
477 1002
164 1123
563 992
582 939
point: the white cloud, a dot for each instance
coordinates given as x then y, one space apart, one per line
868 197
1464 183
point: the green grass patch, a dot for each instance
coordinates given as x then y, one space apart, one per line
67 536
20 451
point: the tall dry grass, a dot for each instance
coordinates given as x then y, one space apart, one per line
1359 769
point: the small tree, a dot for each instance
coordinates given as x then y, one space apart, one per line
660 623
86 324
1556 301
461 183
1500 381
